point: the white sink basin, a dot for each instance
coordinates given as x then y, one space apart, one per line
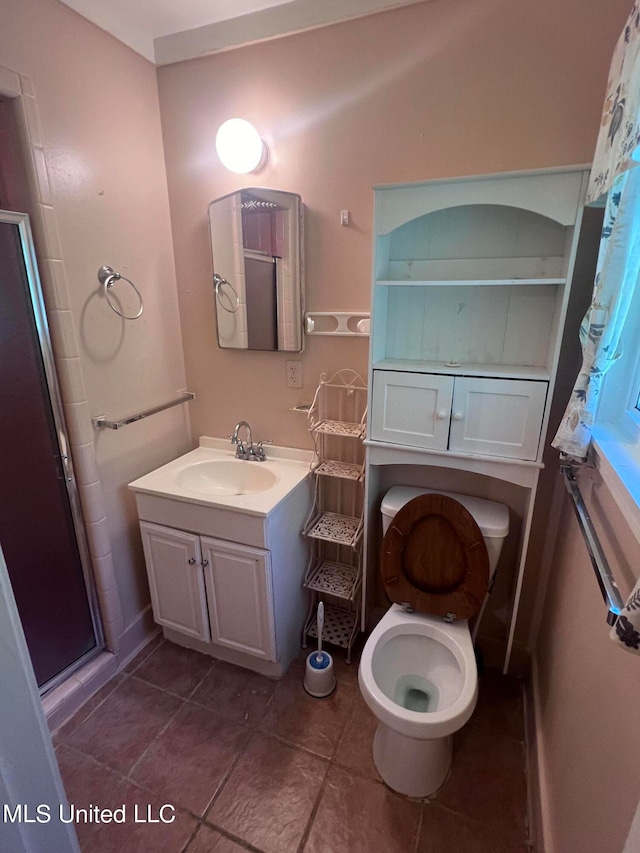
226 477
211 476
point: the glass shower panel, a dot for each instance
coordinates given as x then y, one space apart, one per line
36 522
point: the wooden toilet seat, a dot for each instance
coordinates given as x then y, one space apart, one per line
434 558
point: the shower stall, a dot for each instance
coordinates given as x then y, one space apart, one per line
41 529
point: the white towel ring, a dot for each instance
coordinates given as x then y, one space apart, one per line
218 281
108 277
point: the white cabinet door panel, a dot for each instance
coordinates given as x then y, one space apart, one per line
238 581
411 408
497 417
176 580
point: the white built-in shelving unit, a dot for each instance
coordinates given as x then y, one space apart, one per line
334 529
471 281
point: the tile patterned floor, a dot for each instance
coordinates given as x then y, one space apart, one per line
252 764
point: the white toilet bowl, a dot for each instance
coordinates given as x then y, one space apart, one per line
418 673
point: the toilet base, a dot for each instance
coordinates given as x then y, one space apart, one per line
415 768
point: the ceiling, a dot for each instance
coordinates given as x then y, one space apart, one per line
167 31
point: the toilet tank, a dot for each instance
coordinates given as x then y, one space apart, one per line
491 517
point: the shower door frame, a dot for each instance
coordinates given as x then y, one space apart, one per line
46 350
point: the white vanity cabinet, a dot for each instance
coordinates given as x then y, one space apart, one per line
469 414
210 589
225 554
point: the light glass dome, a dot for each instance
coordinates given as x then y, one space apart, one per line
240 147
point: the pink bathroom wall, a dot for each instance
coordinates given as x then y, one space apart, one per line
99 123
431 90
6 157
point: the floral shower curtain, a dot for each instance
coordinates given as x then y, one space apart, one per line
618 267
615 281
614 175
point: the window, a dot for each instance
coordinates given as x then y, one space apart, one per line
620 401
616 436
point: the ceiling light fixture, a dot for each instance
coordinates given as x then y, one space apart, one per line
240 147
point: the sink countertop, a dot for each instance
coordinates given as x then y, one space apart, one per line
289 465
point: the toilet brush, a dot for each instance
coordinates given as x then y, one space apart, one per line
319 678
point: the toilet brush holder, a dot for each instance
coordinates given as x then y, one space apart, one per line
319 677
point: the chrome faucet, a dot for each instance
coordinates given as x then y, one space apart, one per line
248 451
242 452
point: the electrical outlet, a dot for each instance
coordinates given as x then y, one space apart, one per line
294 374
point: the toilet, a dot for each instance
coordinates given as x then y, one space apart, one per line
418 670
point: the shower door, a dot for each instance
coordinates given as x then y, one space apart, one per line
40 527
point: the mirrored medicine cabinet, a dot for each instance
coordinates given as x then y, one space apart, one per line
256 244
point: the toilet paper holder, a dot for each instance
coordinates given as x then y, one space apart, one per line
344 323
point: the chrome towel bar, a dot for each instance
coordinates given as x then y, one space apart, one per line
608 586
101 421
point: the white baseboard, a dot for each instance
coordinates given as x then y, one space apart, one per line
535 764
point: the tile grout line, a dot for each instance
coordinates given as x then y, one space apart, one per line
159 734
124 778
314 811
184 701
125 677
491 830
419 830
246 845
258 730
147 656
185 847
121 777
171 692
225 779
253 728
331 763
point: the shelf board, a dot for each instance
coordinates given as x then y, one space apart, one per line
339 529
466 282
336 579
506 371
343 470
340 626
341 428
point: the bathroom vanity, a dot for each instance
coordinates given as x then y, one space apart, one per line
224 552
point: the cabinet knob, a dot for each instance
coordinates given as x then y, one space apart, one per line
442 416
205 562
192 561
458 416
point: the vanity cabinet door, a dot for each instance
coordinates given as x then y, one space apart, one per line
497 417
176 582
411 408
239 592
